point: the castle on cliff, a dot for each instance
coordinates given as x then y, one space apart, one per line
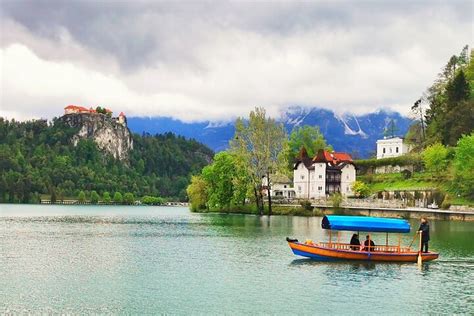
77 109
111 134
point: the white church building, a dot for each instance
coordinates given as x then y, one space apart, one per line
391 147
323 175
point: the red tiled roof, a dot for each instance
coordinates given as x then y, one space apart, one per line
121 114
108 110
334 158
78 108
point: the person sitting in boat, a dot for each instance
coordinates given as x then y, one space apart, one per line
355 243
369 244
424 230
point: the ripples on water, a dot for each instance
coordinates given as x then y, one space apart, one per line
84 260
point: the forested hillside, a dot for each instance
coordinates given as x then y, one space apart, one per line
446 109
37 158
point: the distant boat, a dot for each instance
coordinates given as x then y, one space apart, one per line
335 250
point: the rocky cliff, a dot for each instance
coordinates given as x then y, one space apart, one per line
110 136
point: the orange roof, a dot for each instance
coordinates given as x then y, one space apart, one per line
108 110
122 114
75 107
79 108
335 158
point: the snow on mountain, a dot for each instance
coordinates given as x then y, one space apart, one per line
350 133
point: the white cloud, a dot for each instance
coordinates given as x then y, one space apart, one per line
206 63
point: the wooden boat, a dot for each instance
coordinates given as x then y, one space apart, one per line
341 251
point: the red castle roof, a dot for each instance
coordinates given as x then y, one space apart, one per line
79 108
75 107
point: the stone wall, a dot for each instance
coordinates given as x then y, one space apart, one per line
393 169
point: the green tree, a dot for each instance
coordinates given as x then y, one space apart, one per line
308 137
241 182
94 197
128 198
435 159
197 193
152 200
219 178
261 143
106 197
53 195
118 199
81 197
463 164
459 118
361 189
450 102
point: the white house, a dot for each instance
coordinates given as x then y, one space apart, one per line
391 147
323 175
280 186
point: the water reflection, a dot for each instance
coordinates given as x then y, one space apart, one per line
352 265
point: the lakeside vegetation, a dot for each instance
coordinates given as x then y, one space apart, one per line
442 138
443 156
38 160
260 149
449 170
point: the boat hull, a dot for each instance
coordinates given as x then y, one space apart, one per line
328 254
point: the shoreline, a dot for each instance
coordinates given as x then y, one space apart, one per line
317 210
407 213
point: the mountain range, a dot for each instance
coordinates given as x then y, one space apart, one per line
355 134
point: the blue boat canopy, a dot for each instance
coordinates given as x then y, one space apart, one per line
365 224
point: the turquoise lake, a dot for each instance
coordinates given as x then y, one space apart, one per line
166 260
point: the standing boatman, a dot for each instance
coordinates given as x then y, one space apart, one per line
424 230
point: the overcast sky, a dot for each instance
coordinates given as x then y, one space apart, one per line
217 60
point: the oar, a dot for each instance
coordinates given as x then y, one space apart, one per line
420 260
413 239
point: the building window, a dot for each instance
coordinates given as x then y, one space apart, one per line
396 149
284 186
302 177
347 189
390 149
384 150
320 188
347 177
299 188
320 176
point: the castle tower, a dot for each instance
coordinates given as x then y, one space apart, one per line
122 119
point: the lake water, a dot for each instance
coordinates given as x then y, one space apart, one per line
142 260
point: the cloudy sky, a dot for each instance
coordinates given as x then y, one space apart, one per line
217 60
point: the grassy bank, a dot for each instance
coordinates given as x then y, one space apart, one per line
417 181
